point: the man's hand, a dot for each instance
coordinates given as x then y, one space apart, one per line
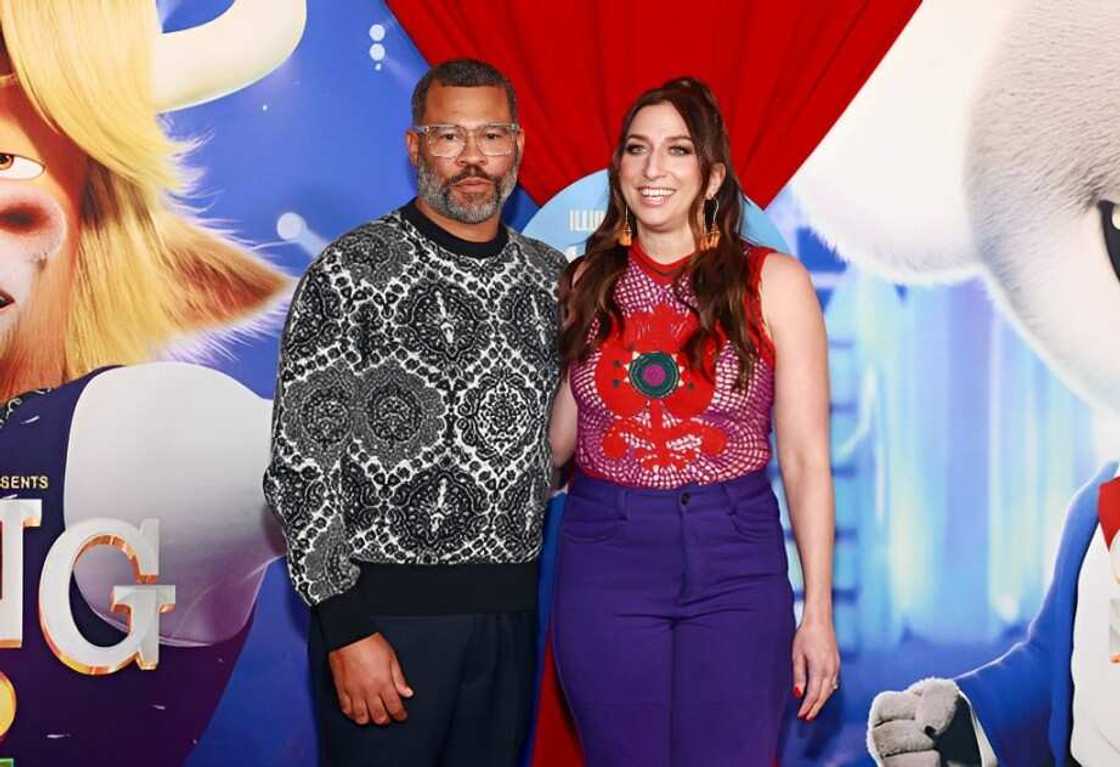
369 681
925 726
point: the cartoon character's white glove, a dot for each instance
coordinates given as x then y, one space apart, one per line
928 725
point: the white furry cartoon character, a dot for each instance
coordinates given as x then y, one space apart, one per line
987 144
102 274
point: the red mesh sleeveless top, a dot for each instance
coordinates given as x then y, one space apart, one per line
645 418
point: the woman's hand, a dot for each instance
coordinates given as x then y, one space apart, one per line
816 665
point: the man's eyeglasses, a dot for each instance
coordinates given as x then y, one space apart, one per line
494 139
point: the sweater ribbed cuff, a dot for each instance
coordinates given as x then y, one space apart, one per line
344 618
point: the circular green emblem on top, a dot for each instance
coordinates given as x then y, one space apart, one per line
655 374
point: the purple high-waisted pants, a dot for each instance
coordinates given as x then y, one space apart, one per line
673 623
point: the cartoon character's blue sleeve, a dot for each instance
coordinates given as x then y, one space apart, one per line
1013 696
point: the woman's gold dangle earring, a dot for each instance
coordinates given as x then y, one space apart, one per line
626 236
711 235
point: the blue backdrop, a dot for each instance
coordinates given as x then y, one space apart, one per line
316 148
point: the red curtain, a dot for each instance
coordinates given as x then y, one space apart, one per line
782 71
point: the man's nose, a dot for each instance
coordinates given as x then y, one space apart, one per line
32 224
472 152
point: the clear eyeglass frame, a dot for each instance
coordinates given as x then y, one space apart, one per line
446 140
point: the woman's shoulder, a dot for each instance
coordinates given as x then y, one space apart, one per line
776 269
784 289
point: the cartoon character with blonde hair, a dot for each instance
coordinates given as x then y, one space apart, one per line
103 271
101 264
986 145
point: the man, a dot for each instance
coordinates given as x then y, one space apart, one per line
410 463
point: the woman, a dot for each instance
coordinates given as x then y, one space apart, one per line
673 615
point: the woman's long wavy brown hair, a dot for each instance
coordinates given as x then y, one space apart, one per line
719 277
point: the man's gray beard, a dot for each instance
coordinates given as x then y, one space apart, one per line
437 194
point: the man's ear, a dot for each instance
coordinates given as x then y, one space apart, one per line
412 146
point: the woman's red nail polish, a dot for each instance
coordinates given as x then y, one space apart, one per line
797 691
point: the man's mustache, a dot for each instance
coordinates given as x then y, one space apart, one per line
473 171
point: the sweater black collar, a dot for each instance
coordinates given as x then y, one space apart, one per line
448 241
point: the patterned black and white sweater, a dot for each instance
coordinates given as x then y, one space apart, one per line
410 461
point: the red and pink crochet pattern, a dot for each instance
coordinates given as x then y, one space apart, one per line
646 418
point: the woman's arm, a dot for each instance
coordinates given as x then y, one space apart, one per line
562 429
801 411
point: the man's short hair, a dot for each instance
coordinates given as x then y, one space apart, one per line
461 73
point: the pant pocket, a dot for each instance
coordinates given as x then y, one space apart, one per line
588 521
757 524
